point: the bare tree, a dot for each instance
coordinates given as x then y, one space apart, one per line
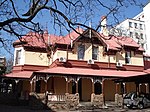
19 17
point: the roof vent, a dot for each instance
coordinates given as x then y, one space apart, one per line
90 61
62 59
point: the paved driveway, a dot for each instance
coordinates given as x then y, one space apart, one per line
6 108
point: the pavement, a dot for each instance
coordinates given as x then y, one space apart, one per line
110 107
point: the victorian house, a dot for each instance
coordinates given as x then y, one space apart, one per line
83 62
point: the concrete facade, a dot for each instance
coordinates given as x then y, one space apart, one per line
138 28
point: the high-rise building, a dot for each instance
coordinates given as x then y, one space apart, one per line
138 28
146 10
134 28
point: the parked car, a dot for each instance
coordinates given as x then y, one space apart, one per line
134 100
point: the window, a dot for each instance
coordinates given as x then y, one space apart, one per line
81 50
141 26
131 34
135 25
130 24
141 35
142 45
136 35
18 56
127 57
95 53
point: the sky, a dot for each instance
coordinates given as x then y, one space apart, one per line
125 12
46 20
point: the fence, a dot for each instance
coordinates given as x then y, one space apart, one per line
55 97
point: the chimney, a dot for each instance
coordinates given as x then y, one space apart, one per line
104 29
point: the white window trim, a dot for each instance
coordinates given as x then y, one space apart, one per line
22 55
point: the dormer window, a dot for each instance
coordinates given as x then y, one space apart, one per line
128 57
81 51
18 57
94 52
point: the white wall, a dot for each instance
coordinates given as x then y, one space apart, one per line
146 11
125 26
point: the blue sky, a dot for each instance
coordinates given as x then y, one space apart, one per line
46 20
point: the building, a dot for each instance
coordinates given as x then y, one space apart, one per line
147 27
86 63
135 28
138 28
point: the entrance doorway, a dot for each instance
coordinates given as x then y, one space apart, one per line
85 89
38 86
98 88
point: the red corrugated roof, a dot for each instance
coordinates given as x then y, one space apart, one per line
38 40
90 72
21 74
71 36
112 42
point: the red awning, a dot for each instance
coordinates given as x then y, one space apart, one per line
22 74
90 72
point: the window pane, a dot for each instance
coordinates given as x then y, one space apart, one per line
131 34
130 24
141 35
141 26
81 50
95 53
127 57
18 56
135 25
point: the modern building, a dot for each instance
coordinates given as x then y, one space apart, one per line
147 26
138 28
134 28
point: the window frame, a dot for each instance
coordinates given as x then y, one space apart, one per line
131 34
95 54
81 51
141 26
135 25
18 57
128 57
130 24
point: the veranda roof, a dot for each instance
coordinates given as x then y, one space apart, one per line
21 74
147 71
90 72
